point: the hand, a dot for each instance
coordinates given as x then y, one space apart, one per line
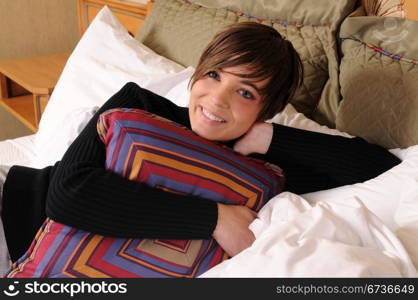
232 232
256 140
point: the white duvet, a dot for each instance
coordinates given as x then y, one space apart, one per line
295 239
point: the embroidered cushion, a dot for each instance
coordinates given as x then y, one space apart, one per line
147 148
378 77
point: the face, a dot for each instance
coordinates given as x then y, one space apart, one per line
223 106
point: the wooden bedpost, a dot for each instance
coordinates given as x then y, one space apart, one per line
150 5
130 14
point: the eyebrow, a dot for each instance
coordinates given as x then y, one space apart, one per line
246 82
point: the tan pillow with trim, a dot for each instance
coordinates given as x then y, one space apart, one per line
379 80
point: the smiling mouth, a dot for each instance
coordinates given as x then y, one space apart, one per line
211 116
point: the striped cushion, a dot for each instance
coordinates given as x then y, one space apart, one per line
163 154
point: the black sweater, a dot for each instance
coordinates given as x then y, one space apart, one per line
79 191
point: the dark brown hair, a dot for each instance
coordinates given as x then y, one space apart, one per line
261 49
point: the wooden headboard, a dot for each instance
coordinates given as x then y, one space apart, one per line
130 14
411 9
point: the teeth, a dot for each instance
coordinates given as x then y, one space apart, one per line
211 116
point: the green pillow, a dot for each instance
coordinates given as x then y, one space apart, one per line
180 30
379 80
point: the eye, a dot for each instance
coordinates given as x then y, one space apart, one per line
246 94
213 74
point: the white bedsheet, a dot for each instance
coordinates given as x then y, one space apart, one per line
19 151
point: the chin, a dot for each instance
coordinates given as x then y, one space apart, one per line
208 136
211 136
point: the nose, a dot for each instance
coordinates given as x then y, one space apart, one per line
220 97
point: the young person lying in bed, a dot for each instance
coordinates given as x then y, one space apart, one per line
245 76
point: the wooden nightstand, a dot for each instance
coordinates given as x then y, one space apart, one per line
27 83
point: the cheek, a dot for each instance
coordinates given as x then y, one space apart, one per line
246 115
196 91
201 86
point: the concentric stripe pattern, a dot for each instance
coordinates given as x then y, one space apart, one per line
158 152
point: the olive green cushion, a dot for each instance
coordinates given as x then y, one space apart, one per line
380 92
180 30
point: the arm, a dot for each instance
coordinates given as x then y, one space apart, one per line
82 193
315 161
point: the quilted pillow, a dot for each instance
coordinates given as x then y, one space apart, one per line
379 80
163 154
181 29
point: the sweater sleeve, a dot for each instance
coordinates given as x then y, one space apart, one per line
84 194
315 161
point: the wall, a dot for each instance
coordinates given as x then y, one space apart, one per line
37 27
32 28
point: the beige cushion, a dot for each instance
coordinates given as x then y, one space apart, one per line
180 30
380 92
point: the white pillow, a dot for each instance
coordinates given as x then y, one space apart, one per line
104 60
69 128
180 94
292 118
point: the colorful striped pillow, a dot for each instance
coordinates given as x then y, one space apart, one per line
144 147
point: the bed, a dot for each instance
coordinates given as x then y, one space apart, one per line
351 52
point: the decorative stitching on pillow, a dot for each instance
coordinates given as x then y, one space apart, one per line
383 52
